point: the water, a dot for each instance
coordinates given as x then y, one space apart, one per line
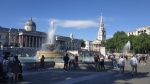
35 59
127 47
51 32
87 59
50 44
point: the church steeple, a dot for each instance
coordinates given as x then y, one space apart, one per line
101 22
101 32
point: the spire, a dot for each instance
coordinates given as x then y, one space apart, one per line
101 31
101 18
101 22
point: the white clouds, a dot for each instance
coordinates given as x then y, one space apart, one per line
80 23
76 23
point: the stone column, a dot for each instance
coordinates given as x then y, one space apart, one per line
22 40
33 41
36 42
26 42
9 38
39 42
29 40
19 41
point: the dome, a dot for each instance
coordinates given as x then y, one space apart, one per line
30 23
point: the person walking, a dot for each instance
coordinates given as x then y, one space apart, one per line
5 69
42 62
66 59
133 63
15 68
114 61
144 59
121 64
102 62
97 60
76 61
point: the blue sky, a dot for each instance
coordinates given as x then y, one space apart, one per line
80 17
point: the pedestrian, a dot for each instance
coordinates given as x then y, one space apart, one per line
126 58
121 64
76 61
66 60
102 62
144 59
97 60
34 66
114 61
1 65
42 62
133 63
5 68
15 68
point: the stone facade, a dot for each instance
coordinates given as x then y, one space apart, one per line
98 44
28 40
100 41
139 31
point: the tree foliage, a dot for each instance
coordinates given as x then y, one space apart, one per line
120 39
139 44
82 43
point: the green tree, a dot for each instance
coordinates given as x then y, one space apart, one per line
120 39
110 45
141 43
82 43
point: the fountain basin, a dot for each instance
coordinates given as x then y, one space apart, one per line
51 54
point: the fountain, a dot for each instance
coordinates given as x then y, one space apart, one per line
126 49
50 49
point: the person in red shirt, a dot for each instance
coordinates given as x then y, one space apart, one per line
42 62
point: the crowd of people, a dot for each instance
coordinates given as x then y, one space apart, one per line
13 65
71 60
10 64
99 62
134 61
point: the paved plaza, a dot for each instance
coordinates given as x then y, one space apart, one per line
89 76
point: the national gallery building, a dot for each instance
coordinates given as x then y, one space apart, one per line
28 40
